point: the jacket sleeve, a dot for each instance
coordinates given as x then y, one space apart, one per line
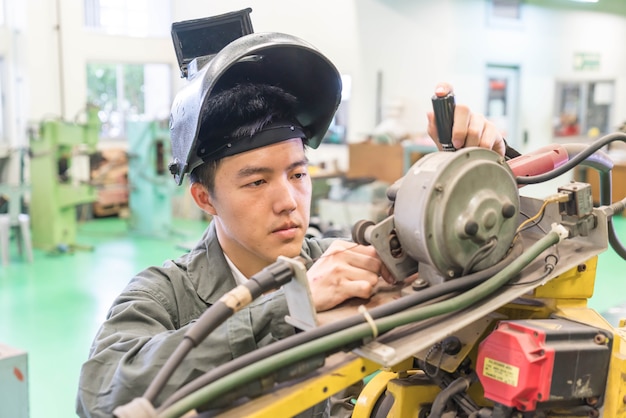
142 330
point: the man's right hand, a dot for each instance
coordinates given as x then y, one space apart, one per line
469 129
346 270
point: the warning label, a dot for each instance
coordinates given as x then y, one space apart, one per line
501 372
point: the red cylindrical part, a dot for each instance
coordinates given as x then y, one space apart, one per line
515 366
538 162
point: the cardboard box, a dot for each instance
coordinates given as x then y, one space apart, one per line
381 161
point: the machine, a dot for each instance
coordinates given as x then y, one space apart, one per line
60 178
151 188
488 315
495 325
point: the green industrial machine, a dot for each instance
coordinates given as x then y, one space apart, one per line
151 186
60 178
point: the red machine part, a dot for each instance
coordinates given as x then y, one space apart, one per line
540 161
515 366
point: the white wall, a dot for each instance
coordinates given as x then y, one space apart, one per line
416 43
413 43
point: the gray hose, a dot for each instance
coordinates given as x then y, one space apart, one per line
459 385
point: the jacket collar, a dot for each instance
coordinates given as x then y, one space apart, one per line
208 269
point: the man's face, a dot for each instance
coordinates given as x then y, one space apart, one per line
261 204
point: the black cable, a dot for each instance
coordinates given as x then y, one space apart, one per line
536 223
589 155
271 277
603 165
480 254
548 269
615 242
588 151
605 199
409 301
462 399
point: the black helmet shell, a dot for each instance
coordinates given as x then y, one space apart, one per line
269 58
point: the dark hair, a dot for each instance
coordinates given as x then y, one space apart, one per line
236 113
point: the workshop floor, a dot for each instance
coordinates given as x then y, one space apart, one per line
53 307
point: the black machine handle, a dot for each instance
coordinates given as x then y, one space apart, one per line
444 117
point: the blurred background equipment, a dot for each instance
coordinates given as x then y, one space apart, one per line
109 175
14 217
60 178
151 186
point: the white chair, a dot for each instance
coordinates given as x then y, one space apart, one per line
14 220
23 236
5 235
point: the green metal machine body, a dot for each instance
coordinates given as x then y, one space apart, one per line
59 169
151 185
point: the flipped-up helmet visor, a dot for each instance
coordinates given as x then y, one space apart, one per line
267 58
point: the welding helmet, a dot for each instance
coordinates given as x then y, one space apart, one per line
274 59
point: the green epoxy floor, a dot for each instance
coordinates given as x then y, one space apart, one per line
53 307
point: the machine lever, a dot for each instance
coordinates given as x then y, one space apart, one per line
444 117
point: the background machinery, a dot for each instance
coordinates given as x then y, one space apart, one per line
60 178
151 188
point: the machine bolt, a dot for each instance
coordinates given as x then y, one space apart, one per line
594 413
582 267
592 401
508 210
471 228
451 274
394 246
439 188
419 284
599 339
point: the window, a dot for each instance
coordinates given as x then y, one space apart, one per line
141 18
504 14
583 108
506 9
125 92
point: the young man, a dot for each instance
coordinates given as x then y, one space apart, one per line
250 174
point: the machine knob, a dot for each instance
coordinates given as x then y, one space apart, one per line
508 210
358 231
471 228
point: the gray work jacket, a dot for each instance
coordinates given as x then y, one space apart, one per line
150 317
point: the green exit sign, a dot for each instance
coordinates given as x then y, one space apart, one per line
584 61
